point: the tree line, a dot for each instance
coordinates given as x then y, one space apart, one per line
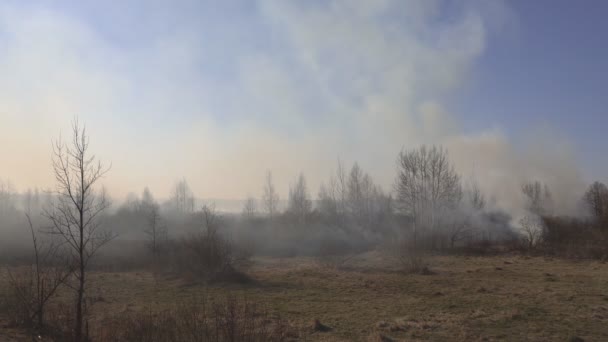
429 208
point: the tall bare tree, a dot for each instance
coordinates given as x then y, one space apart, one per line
75 212
7 196
183 197
476 198
299 204
332 198
354 191
538 197
156 230
462 223
596 199
327 203
426 184
270 198
147 200
250 208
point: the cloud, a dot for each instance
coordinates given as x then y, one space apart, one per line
218 94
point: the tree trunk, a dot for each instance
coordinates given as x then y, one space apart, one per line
78 332
81 279
40 302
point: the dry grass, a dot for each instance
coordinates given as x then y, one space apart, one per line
512 298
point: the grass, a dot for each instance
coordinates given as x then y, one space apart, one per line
512 298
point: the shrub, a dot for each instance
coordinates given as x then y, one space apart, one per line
413 257
574 238
207 254
231 319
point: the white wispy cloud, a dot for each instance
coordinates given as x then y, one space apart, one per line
220 94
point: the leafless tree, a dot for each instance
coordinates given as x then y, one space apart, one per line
538 197
183 197
532 228
7 196
596 199
426 184
156 230
353 200
461 222
250 208
299 204
340 189
210 218
327 203
476 198
206 253
270 197
364 200
75 213
332 198
355 191
147 200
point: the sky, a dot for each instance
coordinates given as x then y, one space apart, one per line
219 92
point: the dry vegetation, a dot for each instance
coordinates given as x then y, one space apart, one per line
359 265
512 297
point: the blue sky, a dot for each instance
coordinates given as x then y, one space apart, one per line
220 91
550 70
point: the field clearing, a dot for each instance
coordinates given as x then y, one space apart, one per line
514 298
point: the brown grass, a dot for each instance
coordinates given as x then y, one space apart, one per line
512 298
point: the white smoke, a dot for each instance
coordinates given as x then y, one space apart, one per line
291 87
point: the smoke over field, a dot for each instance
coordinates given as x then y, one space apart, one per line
305 154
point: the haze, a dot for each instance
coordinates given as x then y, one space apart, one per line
303 170
219 93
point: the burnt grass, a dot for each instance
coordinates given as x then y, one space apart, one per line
489 298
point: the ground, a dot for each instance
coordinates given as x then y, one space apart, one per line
513 298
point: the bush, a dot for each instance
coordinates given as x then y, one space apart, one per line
413 257
231 319
208 257
574 238
207 254
18 300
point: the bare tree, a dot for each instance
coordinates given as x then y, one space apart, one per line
270 197
340 189
476 198
461 221
354 188
532 227
300 204
426 184
210 218
327 203
459 229
332 198
183 197
250 208
596 199
7 196
207 253
353 199
147 200
156 230
74 215
538 197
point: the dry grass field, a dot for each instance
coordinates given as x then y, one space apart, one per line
499 298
